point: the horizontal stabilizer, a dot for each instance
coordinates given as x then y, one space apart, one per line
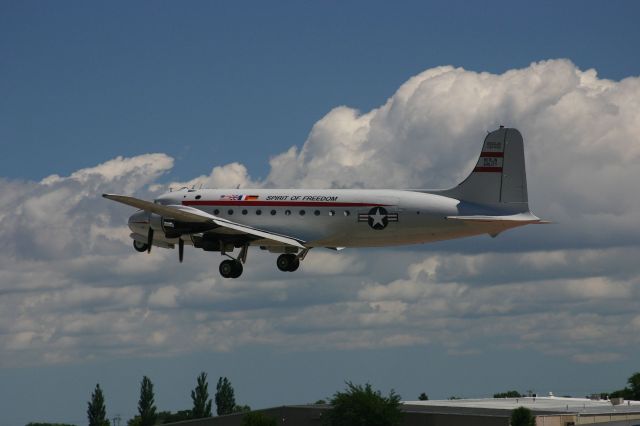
520 218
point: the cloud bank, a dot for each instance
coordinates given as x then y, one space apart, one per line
73 289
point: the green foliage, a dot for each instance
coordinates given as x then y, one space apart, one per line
258 419
169 417
241 409
96 410
362 406
225 399
135 421
200 397
629 392
508 394
622 393
48 424
320 402
634 386
423 397
146 407
522 416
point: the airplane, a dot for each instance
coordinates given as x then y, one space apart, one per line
290 222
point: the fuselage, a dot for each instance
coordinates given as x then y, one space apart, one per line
333 217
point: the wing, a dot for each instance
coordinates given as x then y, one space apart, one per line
190 214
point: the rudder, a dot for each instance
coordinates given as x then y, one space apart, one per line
499 175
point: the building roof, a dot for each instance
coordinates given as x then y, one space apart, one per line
540 405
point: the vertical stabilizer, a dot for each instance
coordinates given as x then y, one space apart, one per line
499 175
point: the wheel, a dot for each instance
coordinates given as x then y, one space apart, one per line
226 268
288 262
141 247
294 265
230 268
237 269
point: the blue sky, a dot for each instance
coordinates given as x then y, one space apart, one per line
222 91
216 82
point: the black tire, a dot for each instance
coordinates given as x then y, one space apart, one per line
288 262
294 265
140 247
226 268
237 269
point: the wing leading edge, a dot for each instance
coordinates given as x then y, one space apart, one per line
190 214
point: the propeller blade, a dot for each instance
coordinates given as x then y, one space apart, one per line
180 249
149 240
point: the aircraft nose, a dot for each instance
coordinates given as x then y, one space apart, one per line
139 222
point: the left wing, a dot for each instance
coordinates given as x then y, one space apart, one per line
190 214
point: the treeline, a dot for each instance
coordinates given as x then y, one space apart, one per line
147 411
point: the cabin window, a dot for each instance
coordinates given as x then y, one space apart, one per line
216 212
273 212
230 211
258 212
347 212
244 211
287 212
332 213
317 212
302 212
198 197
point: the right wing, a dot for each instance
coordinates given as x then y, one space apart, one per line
190 214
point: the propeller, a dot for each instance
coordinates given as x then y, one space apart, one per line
180 249
149 240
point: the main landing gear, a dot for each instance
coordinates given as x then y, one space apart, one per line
288 262
232 268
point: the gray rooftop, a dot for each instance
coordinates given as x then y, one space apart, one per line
545 404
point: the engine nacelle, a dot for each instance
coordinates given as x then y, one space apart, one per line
174 229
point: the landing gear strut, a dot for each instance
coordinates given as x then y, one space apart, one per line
288 262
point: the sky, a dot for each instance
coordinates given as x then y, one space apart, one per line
137 97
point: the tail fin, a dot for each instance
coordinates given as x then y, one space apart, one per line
499 175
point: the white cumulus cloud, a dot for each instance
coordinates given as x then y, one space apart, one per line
73 289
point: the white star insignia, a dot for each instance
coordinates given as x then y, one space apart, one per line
377 218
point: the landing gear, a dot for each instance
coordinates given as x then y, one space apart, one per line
140 247
231 268
288 262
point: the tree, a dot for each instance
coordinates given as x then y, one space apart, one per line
423 397
362 406
169 417
258 419
146 407
508 394
200 397
96 411
241 409
522 416
48 424
225 400
634 386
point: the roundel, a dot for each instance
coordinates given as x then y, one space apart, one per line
378 218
